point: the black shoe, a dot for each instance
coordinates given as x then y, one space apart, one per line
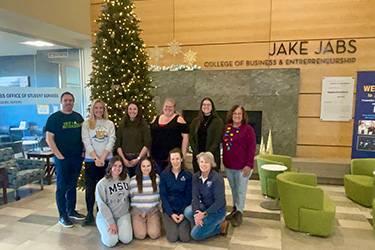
65 221
230 216
76 216
237 219
89 220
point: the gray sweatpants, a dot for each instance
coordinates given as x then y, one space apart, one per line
175 231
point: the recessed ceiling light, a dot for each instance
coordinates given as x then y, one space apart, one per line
38 43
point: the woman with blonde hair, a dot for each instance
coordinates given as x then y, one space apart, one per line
98 136
168 131
208 206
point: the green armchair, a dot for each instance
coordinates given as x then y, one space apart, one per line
268 179
21 171
359 185
306 208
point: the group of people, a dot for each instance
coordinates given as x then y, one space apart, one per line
148 170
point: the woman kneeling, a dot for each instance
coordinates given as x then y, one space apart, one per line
145 201
207 211
112 196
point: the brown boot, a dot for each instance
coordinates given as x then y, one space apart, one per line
237 219
224 227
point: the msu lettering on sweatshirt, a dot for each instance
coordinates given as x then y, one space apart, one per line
112 197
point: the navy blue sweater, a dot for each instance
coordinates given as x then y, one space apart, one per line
175 193
210 195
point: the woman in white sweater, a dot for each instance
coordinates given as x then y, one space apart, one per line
112 196
98 136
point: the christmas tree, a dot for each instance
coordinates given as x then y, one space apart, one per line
120 69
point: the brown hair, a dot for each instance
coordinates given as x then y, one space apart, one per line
108 172
139 175
138 119
176 150
201 114
231 111
66 93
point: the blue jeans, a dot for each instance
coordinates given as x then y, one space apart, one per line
67 173
124 230
238 185
211 224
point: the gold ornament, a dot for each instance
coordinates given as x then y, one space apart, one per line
174 48
190 57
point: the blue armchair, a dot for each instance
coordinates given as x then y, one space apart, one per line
21 171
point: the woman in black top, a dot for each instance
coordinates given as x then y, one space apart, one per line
169 130
206 132
132 138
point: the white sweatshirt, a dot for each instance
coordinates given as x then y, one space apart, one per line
101 138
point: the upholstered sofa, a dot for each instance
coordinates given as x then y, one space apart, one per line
359 184
267 178
21 171
305 206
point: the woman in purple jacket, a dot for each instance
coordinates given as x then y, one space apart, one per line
239 143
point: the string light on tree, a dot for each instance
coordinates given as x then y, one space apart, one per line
120 68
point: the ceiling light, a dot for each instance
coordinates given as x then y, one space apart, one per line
38 43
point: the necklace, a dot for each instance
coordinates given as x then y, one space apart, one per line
228 136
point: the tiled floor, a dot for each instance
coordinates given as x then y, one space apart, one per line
31 223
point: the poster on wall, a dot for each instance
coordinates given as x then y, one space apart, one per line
26 96
363 145
43 109
14 81
337 99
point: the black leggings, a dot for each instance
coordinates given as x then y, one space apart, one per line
93 175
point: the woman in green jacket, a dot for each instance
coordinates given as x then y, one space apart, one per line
206 131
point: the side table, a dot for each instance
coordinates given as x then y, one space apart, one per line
273 170
50 169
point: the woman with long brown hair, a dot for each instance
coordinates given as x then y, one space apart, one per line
145 200
205 133
133 138
112 196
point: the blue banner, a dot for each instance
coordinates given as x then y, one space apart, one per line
363 145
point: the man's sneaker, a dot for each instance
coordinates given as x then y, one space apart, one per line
76 216
65 222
